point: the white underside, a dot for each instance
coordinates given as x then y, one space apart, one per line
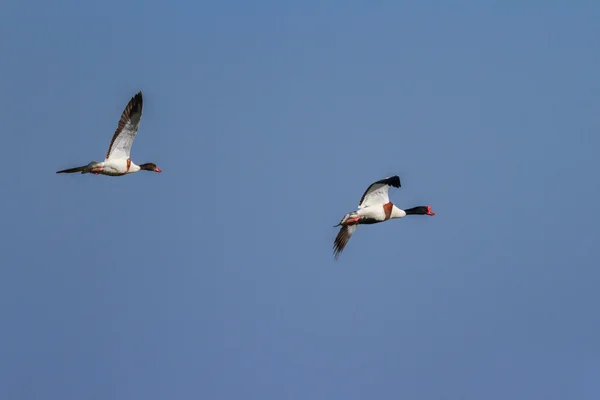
116 167
375 213
378 213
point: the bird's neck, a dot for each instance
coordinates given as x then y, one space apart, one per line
133 168
420 210
397 213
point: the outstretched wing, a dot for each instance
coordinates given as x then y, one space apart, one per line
120 145
342 239
377 193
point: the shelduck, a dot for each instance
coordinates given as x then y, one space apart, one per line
374 207
117 161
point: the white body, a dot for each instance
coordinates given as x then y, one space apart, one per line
378 213
119 166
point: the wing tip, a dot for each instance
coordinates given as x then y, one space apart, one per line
137 101
394 181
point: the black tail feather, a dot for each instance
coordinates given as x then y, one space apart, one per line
72 170
85 169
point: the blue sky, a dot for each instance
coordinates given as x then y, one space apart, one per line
216 279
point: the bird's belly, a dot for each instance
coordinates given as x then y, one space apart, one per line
372 215
376 213
369 221
115 167
112 173
118 167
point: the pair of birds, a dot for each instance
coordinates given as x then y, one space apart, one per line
374 206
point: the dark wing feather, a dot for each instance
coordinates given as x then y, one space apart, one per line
342 239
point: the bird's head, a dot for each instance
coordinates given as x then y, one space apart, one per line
150 167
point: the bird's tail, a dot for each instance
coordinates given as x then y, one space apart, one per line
346 217
84 169
72 170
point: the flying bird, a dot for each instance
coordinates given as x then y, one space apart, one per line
374 207
117 161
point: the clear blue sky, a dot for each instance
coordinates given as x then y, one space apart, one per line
216 279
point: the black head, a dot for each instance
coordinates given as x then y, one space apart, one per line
420 210
150 167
